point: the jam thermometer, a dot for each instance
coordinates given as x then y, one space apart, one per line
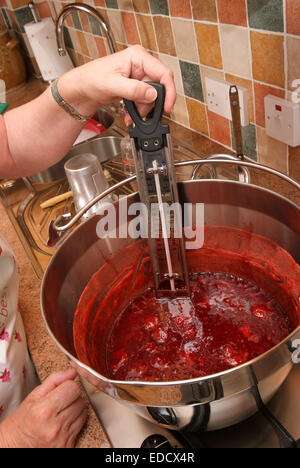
153 157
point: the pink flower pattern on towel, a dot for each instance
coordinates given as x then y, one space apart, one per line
5 376
4 336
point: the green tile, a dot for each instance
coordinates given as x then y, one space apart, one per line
23 16
95 27
266 14
159 7
191 80
249 141
112 4
4 14
68 40
76 20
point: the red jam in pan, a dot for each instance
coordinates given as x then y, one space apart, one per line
245 301
232 322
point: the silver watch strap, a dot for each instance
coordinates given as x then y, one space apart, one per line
66 106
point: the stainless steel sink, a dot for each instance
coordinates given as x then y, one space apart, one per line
103 146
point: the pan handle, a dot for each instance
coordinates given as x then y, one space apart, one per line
149 135
58 226
244 175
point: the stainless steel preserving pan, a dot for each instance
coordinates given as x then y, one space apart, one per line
207 403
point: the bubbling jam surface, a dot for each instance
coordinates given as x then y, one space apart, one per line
231 322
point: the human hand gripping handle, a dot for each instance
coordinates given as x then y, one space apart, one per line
121 75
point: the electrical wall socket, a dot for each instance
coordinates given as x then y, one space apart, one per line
282 120
217 94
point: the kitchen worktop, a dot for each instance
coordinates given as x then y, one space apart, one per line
46 356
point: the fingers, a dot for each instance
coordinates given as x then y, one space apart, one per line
133 89
53 381
63 396
156 71
76 426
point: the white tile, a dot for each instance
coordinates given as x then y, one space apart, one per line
235 45
173 64
185 41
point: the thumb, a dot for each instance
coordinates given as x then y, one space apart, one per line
135 90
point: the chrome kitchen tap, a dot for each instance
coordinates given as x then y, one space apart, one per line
105 27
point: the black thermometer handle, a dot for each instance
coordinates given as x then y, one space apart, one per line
149 135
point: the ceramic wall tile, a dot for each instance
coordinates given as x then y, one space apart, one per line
204 10
219 128
232 12
164 35
159 7
146 31
266 14
180 8
208 45
185 49
293 17
272 153
130 26
260 91
251 43
293 60
197 116
268 58
294 162
141 6
191 79
236 53
249 141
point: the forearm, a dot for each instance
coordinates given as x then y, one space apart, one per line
40 133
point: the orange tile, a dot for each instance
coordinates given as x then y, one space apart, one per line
12 19
164 35
141 6
125 5
294 163
260 91
130 28
44 10
293 60
232 12
271 152
245 84
100 46
180 8
83 45
197 116
100 3
147 33
84 19
219 128
18 4
268 58
204 10
209 45
293 16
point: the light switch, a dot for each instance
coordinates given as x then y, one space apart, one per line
282 120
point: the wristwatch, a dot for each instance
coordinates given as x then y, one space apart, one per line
66 106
